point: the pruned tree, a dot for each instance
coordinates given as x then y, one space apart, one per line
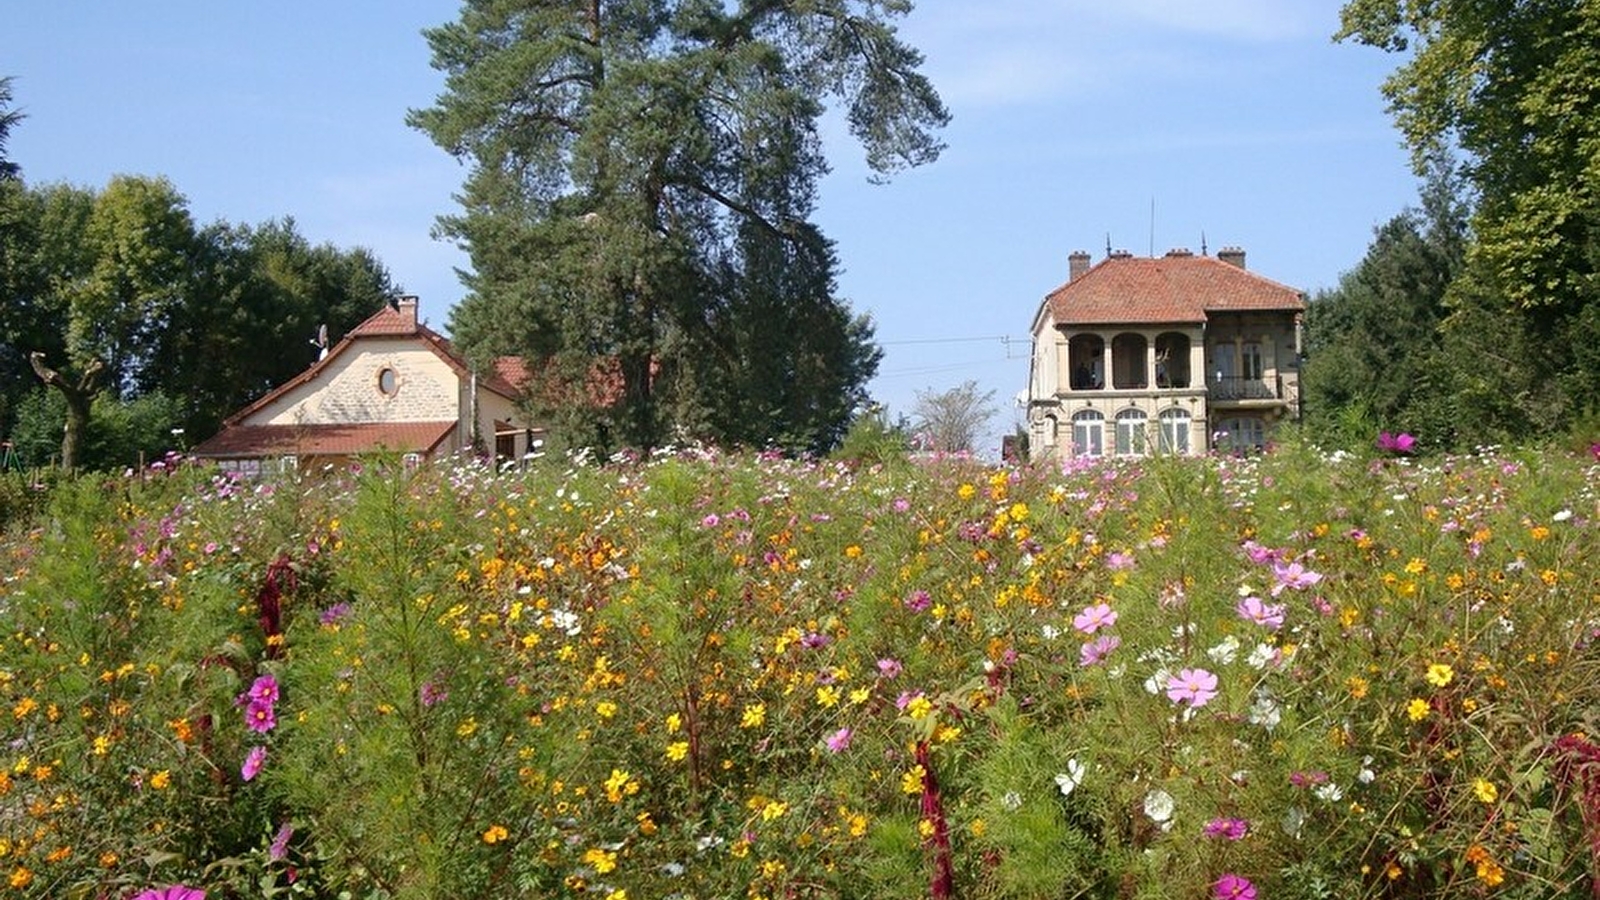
642 173
953 420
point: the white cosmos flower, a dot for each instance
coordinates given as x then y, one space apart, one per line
1261 656
1224 652
1069 780
1329 791
1159 806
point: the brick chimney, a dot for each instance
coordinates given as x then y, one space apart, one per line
1179 252
1233 256
1077 264
406 306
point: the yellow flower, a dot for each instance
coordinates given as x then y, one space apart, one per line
860 695
754 715
979 827
911 780
618 894
774 809
677 751
161 780
674 723
21 877
605 709
466 728
603 860
1485 791
495 834
919 707
966 491
1417 709
1440 674
1357 686
827 696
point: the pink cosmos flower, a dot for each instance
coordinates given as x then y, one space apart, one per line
1293 575
1233 887
889 667
1193 686
1227 828
839 741
918 601
259 717
1094 652
263 690
253 761
280 842
1094 618
1396 443
1252 609
1118 561
172 892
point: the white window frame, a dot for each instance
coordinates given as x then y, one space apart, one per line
1088 433
1131 439
1173 435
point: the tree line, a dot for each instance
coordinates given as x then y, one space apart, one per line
1473 318
127 329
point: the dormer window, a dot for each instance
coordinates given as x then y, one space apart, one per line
388 382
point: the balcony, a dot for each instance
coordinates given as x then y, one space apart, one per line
1244 391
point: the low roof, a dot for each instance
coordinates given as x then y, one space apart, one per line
241 441
1124 290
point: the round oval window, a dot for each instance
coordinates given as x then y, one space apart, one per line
386 381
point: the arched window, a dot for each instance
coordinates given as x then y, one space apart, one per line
1128 361
1172 360
1175 431
1130 432
1086 357
1088 433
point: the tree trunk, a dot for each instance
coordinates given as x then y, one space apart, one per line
79 395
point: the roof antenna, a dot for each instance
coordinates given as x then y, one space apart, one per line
1108 243
1202 242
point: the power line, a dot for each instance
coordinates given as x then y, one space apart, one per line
1002 338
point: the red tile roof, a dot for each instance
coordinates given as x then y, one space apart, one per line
248 441
1134 290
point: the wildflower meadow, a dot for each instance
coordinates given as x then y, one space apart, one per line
1295 675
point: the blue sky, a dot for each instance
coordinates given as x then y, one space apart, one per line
1148 123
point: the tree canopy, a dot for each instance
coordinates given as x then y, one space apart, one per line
124 320
1509 89
643 173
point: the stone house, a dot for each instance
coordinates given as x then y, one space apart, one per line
1177 354
391 385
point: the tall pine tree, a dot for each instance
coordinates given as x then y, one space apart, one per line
643 174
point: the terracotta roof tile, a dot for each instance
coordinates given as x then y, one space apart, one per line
247 441
1132 290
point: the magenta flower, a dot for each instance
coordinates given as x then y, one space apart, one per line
432 693
171 892
839 741
1293 575
1094 652
1252 609
889 667
1094 618
280 842
259 717
263 690
918 601
1228 828
1396 443
253 762
1233 887
1193 686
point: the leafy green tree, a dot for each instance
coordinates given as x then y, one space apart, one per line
8 119
1374 342
1514 86
639 167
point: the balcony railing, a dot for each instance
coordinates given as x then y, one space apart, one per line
1238 387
